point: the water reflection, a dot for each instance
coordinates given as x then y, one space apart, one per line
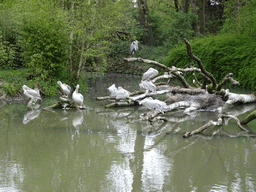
156 168
77 120
30 115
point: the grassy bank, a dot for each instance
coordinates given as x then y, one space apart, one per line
221 55
11 81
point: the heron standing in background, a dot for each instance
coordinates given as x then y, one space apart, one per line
134 47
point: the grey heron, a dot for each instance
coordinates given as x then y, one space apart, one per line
134 47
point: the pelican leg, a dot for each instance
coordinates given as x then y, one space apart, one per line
31 102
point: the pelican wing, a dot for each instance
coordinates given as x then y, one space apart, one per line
81 97
32 94
66 88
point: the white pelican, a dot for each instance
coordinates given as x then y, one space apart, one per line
78 97
31 93
154 104
112 89
149 74
118 93
65 88
147 85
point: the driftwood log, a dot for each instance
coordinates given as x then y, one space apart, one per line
64 103
215 123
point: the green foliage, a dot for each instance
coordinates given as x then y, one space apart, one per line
9 88
10 56
3 54
170 27
13 81
42 38
240 20
92 26
119 49
153 53
221 55
247 18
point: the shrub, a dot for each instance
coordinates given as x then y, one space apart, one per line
221 55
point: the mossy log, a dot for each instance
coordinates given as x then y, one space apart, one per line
249 117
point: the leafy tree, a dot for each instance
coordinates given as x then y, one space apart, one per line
9 50
170 27
91 28
42 37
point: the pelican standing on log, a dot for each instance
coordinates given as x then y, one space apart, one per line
65 88
78 98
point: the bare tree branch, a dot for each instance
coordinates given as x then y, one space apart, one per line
215 123
200 64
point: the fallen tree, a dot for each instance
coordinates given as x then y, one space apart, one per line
206 95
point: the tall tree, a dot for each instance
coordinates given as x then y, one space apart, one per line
145 22
202 16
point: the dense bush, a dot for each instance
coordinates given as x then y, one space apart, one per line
221 55
43 39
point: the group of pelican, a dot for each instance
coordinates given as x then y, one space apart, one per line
147 86
77 97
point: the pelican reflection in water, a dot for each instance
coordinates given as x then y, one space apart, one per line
30 115
77 120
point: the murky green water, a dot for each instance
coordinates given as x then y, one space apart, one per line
112 150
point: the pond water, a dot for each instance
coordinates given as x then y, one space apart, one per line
113 150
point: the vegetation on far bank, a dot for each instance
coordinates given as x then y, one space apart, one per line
43 42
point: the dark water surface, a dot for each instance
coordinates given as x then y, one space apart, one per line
112 150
